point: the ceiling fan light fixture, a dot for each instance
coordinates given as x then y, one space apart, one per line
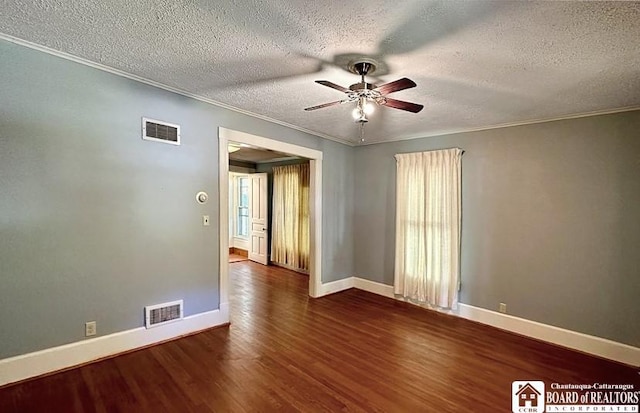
359 115
362 109
368 108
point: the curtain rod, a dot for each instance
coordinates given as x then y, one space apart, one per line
432 150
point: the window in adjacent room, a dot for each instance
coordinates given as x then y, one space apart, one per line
242 228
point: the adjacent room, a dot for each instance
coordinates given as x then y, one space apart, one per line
371 206
268 207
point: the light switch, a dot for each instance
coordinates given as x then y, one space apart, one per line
205 220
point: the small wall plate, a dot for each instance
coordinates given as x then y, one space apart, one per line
202 197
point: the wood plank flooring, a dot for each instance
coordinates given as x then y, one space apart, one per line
237 258
352 351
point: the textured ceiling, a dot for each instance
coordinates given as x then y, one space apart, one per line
477 64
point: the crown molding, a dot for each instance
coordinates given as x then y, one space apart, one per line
507 125
122 73
445 132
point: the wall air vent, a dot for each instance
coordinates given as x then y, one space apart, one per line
155 130
159 314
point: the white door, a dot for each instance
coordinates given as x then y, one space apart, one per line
258 223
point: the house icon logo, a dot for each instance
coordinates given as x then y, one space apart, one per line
527 397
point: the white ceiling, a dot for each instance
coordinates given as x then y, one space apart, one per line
477 64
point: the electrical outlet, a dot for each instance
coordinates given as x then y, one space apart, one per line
205 220
503 308
90 328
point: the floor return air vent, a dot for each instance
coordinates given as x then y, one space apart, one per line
159 314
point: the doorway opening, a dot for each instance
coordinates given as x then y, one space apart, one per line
315 203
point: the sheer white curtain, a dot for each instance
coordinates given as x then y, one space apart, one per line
428 222
290 222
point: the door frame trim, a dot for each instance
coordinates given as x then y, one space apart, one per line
315 203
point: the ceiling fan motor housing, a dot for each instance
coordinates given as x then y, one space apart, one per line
362 86
363 66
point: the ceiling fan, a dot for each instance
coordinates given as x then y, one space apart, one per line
365 94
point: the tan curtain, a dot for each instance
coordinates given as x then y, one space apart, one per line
428 218
290 222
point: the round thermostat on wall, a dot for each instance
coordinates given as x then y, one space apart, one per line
202 197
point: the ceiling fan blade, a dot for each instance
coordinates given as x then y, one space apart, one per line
401 104
395 86
325 105
333 85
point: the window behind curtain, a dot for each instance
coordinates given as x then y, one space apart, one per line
290 224
428 218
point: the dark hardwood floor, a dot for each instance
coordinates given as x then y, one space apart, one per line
351 351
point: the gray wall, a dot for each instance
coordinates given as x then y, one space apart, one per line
551 220
96 223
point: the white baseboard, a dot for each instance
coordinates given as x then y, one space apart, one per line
335 286
373 287
360 283
598 346
57 358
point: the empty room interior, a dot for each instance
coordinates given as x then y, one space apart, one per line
366 206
